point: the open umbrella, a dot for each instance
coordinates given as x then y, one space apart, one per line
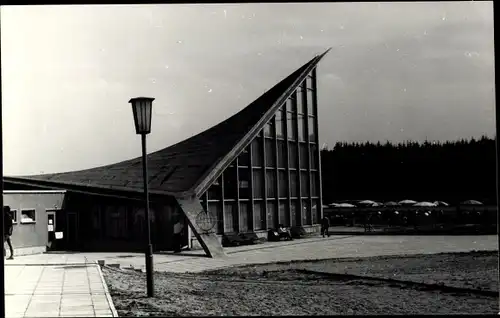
391 203
424 204
366 202
407 202
345 205
441 203
471 202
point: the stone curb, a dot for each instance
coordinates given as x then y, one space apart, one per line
106 291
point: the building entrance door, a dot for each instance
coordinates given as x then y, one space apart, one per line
51 229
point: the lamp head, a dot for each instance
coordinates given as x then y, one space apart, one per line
142 109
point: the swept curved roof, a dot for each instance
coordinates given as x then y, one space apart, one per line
183 168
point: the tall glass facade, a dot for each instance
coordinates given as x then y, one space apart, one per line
276 180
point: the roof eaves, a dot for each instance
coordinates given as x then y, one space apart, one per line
80 187
212 174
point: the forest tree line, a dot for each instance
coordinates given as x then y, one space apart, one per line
451 171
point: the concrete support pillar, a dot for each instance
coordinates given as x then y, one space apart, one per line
207 238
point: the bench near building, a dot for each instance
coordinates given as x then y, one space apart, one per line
251 172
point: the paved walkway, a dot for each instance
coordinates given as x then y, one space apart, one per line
65 286
303 249
71 284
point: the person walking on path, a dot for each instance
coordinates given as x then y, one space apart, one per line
7 230
178 227
325 225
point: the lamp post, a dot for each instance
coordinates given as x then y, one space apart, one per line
142 108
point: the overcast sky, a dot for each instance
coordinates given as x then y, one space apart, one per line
396 71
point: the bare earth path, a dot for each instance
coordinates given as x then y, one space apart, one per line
268 280
473 270
279 289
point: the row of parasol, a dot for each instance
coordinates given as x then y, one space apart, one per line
370 203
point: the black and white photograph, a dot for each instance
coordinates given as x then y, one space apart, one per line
236 159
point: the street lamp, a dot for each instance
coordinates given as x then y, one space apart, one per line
141 107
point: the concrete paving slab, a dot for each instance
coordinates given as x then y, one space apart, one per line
102 312
42 314
41 286
97 290
46 311
101 308
43 306
15 314
49 286
45 298
75 304
75 296
99 298
20 291
17 303
76 308
50 290
84 298
83 313
46 308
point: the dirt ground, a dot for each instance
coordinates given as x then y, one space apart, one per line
330 287
474 270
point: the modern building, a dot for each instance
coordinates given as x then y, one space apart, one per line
251 172
34 218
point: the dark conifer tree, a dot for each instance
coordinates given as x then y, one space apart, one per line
447 171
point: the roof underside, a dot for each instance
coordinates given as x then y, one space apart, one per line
178 168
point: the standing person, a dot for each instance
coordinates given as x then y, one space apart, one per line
325 224
368 222
178 227
7 230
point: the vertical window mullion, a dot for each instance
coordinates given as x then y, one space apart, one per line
319 184
298 214
264 181
223 208
236 215
276 170
308 147
205 200
251 211
287 165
